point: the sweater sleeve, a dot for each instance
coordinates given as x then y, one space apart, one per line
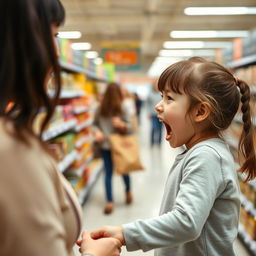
202 182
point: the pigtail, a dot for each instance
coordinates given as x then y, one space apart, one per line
246 144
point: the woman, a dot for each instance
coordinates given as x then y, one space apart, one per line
112 116
40 214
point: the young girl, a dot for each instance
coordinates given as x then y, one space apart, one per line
200 208
40 213
112 116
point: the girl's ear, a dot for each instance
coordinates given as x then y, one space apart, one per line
202 111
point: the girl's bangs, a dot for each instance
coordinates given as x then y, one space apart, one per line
174 76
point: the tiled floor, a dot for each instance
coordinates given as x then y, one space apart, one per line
147 190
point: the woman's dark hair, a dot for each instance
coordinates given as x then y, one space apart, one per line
28 57
111 104
205 81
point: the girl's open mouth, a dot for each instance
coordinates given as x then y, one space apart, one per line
168 131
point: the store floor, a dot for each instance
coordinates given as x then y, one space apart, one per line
147 188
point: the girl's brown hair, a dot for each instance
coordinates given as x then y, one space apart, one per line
111 104
205 81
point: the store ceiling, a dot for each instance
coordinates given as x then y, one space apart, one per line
147 22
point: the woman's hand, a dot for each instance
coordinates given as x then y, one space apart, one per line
118 123
99 247
109 231
99 136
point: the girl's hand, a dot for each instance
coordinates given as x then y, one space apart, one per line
109 231
99 136
100 247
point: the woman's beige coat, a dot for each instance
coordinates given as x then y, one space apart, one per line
39 212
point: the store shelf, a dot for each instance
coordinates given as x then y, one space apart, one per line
83 140
242 62
80 110
73 68
248 205
79 172
93 178
58 129
83 125
68 94
67 161
245 238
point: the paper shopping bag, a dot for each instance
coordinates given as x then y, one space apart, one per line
125 153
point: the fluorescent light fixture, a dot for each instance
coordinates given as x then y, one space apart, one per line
98 61
208 33
187 53
91 54
81 46
160 64
219 10
183 44
195 44
70 34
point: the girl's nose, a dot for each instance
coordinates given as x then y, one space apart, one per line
159 107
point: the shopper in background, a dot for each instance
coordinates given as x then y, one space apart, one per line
112 116
138 104
200 208
129 102
40 214
156 126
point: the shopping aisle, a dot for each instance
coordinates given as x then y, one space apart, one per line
147 187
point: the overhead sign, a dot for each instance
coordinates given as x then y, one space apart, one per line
125 56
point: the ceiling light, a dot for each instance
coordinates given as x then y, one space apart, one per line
219 10
188 53
160 64
70 34
91 55
98 61
81 46
183 44
195 44
208 33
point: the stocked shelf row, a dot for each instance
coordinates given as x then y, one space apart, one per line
245 238
67 161
63 127
58 129
68 94
83 195
74 68
242 62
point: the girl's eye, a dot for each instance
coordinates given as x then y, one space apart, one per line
169 98
161 95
